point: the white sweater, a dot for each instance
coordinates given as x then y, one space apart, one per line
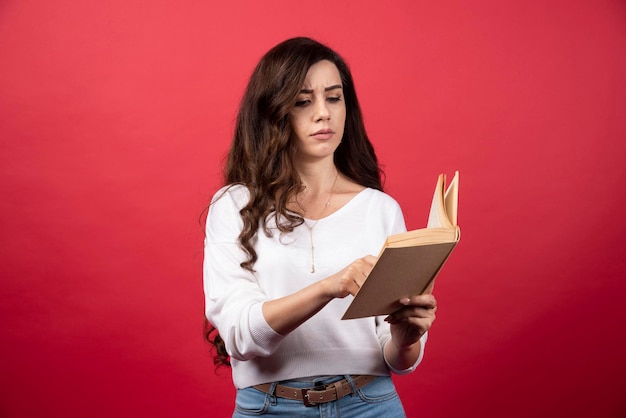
323 345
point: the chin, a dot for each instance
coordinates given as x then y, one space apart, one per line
318 151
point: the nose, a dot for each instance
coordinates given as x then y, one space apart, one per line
321 110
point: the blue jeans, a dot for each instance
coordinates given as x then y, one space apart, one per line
376 399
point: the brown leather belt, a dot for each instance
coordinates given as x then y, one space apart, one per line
316 395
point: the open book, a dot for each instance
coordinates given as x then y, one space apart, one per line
409 262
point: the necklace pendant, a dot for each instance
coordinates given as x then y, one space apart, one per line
312 269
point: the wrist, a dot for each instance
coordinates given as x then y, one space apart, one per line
325 290
404 345
328 288
402 359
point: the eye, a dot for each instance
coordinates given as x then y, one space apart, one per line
334 99
302 103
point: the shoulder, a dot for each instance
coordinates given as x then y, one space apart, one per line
228 201
385 209
380 199
224 223
369 197
232 194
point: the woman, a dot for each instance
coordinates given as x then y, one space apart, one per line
291 236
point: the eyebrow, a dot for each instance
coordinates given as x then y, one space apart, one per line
335 87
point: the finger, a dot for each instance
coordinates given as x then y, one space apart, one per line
359 270
413 312
353 287
414 321
413 324
425 301
359 276
352 279
370 260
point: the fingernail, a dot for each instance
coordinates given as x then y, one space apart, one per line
405 301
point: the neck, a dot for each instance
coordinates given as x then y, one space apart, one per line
318 179
319 187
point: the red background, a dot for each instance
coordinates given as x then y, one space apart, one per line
114 121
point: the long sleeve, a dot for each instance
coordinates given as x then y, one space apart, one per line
233 298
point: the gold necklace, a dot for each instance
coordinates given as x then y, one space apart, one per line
310 228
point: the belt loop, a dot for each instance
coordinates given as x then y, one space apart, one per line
351 382
273 399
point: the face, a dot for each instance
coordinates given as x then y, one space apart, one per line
319 115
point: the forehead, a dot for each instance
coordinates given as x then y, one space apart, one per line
322 74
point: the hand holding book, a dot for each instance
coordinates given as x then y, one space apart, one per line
409 262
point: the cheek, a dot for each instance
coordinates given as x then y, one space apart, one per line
297 128
298 131
341 117
294 124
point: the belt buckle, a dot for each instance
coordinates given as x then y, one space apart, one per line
305 398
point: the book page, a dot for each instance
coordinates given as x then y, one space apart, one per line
443 209
451 199
422 236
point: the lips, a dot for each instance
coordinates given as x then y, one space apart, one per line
323 134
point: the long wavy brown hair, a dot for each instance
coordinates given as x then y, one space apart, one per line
261 155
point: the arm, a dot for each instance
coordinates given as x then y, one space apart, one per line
287 313
408 327
233 297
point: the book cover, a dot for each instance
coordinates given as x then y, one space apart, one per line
409 262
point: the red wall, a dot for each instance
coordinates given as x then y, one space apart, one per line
114 120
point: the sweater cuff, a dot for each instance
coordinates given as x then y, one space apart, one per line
266 339
423 340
